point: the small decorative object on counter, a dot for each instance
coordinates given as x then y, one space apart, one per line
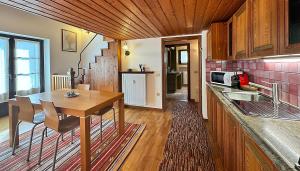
141 67
71 94
297 165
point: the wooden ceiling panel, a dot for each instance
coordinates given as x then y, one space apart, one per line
133 19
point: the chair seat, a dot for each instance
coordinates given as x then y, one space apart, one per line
68 124
39 118
105 109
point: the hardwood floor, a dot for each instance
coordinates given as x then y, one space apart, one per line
148 152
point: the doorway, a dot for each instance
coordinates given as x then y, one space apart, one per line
188 50
178 72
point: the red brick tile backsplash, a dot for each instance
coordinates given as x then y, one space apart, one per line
286 74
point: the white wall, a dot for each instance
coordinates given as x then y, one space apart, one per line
204 56
148 52
16 21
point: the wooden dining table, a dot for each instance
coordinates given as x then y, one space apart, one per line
83 106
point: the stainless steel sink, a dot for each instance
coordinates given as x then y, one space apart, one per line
257 104
244 96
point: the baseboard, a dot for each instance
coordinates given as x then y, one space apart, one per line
143 107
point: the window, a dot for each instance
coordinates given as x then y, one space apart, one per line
183 57
21 66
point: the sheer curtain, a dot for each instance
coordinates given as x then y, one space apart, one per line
27 67
4 76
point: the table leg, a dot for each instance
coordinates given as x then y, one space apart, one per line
121 116
85 143
13 120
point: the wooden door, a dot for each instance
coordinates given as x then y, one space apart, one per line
255 159
240 33
289 15
229 142
263 27
209 44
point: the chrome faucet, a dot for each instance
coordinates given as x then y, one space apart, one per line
274 89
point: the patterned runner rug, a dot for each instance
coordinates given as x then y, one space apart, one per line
105 155
187 145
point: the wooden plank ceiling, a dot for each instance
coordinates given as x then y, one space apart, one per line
133 19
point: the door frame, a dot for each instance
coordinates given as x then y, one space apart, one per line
164 42
188 65
11 67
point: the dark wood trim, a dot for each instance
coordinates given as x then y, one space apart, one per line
11 67
189 71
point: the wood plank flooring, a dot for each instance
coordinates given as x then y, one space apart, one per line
148 152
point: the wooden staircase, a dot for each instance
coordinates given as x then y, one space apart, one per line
102 73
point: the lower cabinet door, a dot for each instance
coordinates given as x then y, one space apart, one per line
255 159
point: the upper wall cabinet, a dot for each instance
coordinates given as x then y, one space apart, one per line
217 41
289 26
263 15
240 33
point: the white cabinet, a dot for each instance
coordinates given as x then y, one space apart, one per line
134 89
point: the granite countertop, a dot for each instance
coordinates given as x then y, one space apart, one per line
279 139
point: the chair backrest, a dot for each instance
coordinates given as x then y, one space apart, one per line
83 87
51 115
26 109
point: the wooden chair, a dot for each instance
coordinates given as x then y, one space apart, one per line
53 121
83 87
106 109
27 114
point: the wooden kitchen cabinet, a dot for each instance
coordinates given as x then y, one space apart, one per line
263 20
254 158
217 41
235 148
289 25
240 33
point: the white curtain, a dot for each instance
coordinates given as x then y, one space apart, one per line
4 77
27 67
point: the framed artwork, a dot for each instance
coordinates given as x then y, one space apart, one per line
69 41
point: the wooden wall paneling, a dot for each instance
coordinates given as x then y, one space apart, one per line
100 16
263 27
189 8
166 6
159 13
106 10
60 11
141 13
201 7
179 11
60 19
132 19
142 24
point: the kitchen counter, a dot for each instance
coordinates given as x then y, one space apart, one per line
279 139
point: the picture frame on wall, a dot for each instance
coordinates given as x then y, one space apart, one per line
69 41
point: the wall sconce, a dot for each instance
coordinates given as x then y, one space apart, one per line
125 47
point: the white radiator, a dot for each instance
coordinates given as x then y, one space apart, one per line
61 82
134 89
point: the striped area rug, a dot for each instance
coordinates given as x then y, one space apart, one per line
108 154
187 146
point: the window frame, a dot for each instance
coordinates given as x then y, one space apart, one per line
11 61
179 56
